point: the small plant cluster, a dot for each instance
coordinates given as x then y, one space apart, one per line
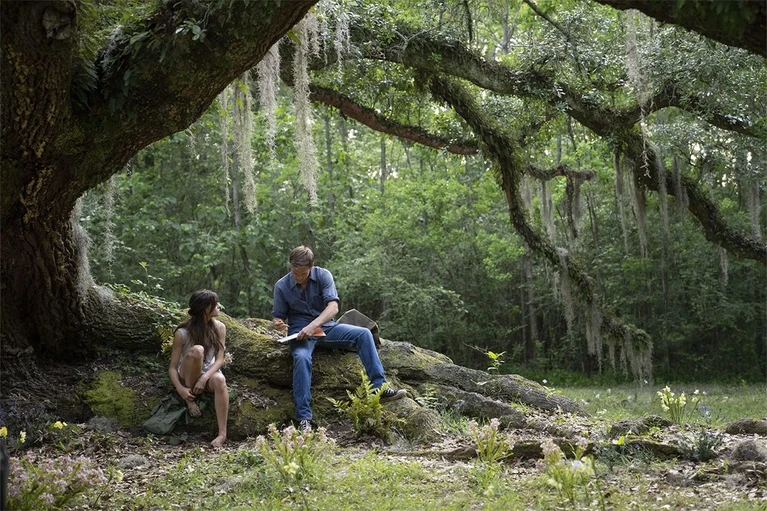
492 445
50 483
496 360
365 410
567 476
23 427
294 454
37 429
701 446
452 420
618 452
679 409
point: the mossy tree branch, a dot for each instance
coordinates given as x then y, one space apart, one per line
670 95
383 124
156 80
451 58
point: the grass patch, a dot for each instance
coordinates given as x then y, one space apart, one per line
719 404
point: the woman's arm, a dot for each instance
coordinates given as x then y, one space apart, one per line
202 381
175 355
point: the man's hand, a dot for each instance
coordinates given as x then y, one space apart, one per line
307 331
278 324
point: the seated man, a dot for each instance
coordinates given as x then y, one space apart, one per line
307 298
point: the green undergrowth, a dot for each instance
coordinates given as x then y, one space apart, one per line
353 479
292 469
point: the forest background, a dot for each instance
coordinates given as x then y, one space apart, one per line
420 239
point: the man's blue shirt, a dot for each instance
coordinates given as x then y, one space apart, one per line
299 307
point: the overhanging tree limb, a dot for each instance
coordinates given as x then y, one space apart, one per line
451 58
715 228
155 80
670 95
378 122
739 23
559 170
383 124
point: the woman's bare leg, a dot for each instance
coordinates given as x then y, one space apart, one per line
190 371
217 385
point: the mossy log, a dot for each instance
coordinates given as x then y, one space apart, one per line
260 376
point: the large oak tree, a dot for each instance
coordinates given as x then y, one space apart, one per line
71 120
73 116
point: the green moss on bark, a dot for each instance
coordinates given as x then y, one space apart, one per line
106 397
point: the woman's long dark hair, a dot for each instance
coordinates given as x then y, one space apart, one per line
199 331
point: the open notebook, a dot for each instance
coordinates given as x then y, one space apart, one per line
317 333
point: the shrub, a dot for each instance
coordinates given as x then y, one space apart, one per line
701 447
365 410
24 425
491 445
679 409
566 476
50 483
292 453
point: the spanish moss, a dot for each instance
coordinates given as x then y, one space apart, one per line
638 361
620 198
680 192
109 235
566 289
662 193
754 208
527 193
243 135
268 71
224 118
547 214
640 212
82 244
593 333
636 76
723 266
307 153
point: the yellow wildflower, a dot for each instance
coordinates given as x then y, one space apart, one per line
3 432
58 425
22 437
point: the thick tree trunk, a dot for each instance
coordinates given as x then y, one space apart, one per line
41 305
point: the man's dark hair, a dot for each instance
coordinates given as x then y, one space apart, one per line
301 257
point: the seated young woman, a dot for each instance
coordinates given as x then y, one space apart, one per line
197 358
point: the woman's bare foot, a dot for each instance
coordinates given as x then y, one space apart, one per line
194 410
218 442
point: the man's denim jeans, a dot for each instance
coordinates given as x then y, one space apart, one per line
339 336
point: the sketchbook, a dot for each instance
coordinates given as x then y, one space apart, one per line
317 333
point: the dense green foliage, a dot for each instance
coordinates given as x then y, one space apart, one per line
420 239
